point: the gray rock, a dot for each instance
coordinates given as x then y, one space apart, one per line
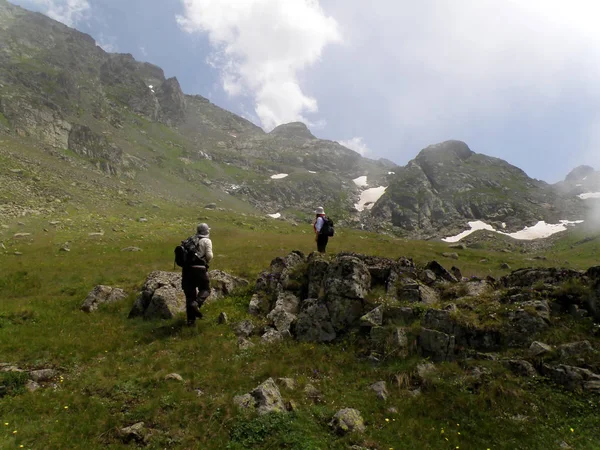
166 303
314 324
347 277
437 345
245 344
244 402
450 255
520 367
380 388
288 383
505 266
271 336
243 328
135 433
288 302
440 272
574 349
102 295
317 268
539 349
415 292
174 377
424 371
131 249
223 284
373 318
572 378
348 420
313 394
268 398
258 305
223 320
42 375
281 319
343 311
541 308
428 277
31 386
459 246
142 220
20 235
211 206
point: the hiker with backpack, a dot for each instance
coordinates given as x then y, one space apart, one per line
323 227
193 255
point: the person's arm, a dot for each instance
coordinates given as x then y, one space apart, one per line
208 253
319 224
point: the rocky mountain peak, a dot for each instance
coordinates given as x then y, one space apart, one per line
445 151
293 130
579 173
172 101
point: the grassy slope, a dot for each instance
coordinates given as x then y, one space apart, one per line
114 368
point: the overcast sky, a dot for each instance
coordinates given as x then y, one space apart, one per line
515 79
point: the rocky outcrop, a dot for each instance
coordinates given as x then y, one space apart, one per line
95 147
348 420
172 101
265 399
223 284
102 295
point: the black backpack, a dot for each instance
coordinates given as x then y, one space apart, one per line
327 228
185 254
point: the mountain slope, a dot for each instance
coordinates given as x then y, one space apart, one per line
447 185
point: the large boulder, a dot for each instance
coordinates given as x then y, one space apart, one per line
223 284
161 297
268 398
416 292
314 323
530 276
573 378
347 420
437 345
317 268
102 295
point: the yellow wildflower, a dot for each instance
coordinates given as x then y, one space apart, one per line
572 430
66 407
15 432
387 420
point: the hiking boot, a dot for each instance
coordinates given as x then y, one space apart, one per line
196 309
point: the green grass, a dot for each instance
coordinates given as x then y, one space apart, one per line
113 368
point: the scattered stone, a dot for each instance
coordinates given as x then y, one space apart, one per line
428 277
174 377
313 394
161 297
244 402
131 249
31 386
373 318
450 255
380 388
483 260
223 320
18 254
574 349
65 248
135 433
573 378
424 371
347 420
459 246
96 234
505 266
42 375
539 349
142 220
520 367
245 344
392 410
288 383
271 336
102 295
268 398
211 206
20 235
243 328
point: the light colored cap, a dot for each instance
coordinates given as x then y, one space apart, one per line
203 229
320 210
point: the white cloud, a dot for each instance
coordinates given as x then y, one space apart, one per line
69 12
357 144
261 47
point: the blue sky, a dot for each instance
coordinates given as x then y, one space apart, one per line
516 80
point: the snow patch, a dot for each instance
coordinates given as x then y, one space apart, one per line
589 195
391 173
477 225
311 171
361 181
503 225
279 176
274 216
151 87
538 231
368 197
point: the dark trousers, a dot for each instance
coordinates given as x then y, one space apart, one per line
196 287
322 242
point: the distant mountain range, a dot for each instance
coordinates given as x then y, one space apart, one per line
93 130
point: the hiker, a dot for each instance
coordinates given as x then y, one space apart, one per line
320 236
194 274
